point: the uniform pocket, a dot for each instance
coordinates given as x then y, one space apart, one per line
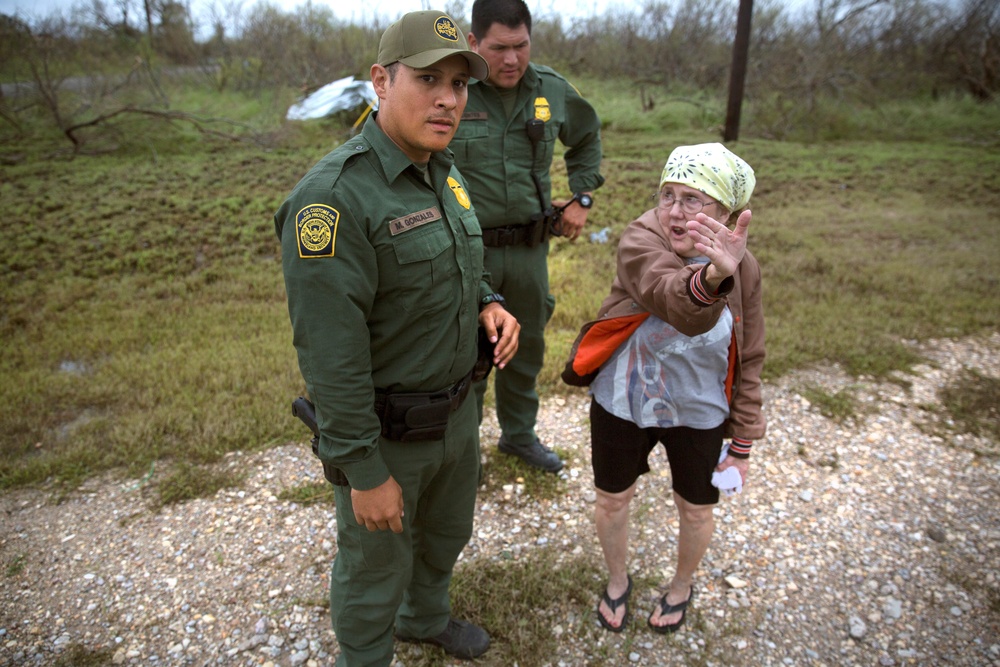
382 549
471 141
421 245
470 223
424 264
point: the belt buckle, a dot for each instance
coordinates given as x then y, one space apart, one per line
506 235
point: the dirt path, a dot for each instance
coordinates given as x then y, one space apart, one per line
865 544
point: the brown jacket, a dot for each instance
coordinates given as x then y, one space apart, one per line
653 278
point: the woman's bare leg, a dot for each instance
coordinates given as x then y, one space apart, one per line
611 516
696 527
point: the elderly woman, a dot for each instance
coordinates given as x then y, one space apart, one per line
686 348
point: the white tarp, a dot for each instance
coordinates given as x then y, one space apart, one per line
341 95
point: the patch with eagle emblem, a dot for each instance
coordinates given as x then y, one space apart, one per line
446 29
316 228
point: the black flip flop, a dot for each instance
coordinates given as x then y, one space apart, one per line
613 606
670 609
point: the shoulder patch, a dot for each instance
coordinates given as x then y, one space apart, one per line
460 193
316 228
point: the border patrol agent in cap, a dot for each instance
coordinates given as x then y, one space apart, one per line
383 263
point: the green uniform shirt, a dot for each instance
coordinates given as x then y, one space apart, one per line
384 276
494 153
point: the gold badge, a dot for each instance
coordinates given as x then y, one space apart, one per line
542 111
446 29
316 225
460 195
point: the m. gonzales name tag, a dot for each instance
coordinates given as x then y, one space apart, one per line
414 220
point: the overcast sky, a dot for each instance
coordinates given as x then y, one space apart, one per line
347 11
364 12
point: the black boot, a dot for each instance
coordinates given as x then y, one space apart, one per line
460 639
535 454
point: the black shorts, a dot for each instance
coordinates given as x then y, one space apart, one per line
620 450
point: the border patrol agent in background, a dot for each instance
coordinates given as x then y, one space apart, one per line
504 148
383 263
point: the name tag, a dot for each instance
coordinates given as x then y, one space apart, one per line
474 115
414 220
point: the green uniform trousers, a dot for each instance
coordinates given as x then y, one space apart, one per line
521 275
381 581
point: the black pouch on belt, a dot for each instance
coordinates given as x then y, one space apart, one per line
411 417
539 231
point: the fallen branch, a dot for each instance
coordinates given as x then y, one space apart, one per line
198 122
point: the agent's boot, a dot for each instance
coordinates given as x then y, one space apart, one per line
535 454
460 639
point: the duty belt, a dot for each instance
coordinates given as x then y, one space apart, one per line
498 237
419 415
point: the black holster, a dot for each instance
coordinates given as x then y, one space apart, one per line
306 411
333 474
415 416
541 227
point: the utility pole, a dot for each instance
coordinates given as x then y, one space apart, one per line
738 71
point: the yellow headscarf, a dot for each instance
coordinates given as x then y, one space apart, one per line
714 170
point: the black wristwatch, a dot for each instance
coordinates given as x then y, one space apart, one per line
492 298
583 199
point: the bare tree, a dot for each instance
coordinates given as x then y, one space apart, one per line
805 72
972 43
149 9
174 33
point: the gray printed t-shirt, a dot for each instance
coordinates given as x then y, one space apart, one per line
661 378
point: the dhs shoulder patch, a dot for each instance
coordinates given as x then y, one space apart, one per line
316 228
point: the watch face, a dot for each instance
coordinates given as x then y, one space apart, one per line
586 201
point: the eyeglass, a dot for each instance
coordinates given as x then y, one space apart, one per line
690 205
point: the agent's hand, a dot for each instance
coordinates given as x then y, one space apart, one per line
574 217
380 508
743 465
724 247
503 330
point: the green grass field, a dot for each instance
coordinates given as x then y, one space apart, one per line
142 313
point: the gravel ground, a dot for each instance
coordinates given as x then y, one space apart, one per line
865 544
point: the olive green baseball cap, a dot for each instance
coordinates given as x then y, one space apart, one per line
420 39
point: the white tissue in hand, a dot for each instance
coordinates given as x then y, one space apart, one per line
729 481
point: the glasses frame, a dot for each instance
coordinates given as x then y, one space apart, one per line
686 202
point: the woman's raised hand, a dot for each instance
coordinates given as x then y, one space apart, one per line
724 247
